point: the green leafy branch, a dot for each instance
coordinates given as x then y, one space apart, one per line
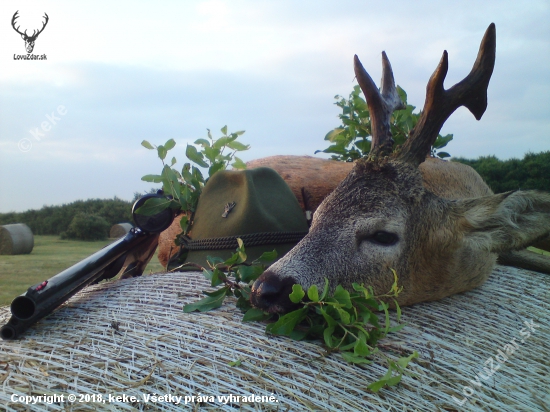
184 187
351 140
345 322
235 276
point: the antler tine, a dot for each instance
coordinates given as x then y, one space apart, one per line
471 92
46 22
381 104
15 16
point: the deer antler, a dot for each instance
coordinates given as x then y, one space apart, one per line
381 104
471 92
34 33
15 16
43 26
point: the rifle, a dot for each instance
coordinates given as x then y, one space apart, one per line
129 254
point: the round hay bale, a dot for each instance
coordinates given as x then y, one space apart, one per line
16 239
131 338
120 229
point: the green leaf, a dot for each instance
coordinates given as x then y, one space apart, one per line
344 316
351 358
213 260
196 157
238 146
313 293
333 134
342 296
328 319
147 145
161 150
267 256
203 142
207 274
152 178
443 155
217 278
361 348
170 144
398 310
404 362
218 292
153 205
170 183
250 273
238 164
376 386
325 291
394 380
442 141
224 130
215 168
384 307
255 314
184 222
235 259
327 336
297 294
235 363
385 381
298 334
286 324
211 153
174 161
396 328
208 303
223 141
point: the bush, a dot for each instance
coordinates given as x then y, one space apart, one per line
87 227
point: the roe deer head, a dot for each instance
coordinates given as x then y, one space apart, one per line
382 216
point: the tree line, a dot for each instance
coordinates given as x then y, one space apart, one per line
530 173
55 220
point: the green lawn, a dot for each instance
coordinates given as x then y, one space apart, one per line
49 257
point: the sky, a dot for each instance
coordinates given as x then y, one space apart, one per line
119 72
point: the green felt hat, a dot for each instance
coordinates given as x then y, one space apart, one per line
255 205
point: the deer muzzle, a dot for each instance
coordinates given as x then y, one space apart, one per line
270 293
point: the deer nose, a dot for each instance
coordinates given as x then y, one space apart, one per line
270 293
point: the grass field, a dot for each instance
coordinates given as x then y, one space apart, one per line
49 257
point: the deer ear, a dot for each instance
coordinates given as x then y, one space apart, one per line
504 222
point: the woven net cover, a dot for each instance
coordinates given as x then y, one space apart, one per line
158 349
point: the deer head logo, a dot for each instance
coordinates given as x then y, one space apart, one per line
29 40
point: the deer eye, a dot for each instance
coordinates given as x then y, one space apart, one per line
383 238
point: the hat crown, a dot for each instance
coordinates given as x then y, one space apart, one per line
250 201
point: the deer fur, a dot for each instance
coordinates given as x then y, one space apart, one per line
435 223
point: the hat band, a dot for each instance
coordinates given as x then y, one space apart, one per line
251 239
